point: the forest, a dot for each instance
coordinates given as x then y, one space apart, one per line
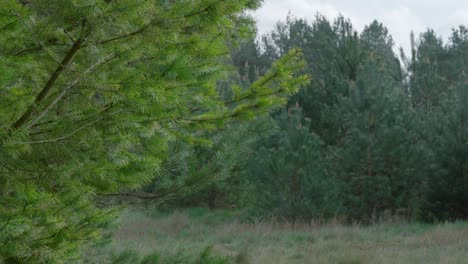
130 128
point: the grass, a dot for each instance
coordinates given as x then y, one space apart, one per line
272 242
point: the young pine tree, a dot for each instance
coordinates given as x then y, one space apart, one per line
92 91
439 76
286 170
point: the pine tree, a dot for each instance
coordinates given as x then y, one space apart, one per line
427 80
440 71
360 111
287 172
93 91
377 159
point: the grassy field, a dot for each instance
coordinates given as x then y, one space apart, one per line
271 242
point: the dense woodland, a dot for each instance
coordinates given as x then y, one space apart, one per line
375 133
178 104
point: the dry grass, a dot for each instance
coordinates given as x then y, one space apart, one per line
274 242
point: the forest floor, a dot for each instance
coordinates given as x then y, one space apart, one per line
270 242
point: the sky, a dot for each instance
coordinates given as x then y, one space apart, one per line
399 16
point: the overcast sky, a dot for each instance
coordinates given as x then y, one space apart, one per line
400 16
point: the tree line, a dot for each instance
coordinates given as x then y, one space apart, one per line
375 134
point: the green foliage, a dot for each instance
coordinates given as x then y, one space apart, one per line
439 83
101 98
151 259
286 170
390 143
208 174
92 94
212 173
206 256
378 139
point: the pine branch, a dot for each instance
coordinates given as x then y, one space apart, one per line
280 90
155 196
222 117
203 10
69 87
50 83
145 27
34 48
54 140
127 35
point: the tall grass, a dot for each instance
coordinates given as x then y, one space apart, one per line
190 232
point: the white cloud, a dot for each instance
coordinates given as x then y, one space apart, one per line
397 20
400 22
275 10
459 17
400 16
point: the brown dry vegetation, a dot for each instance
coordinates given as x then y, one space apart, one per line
273 242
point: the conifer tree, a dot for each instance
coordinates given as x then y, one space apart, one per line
359 109
287 171
92 92
439 76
